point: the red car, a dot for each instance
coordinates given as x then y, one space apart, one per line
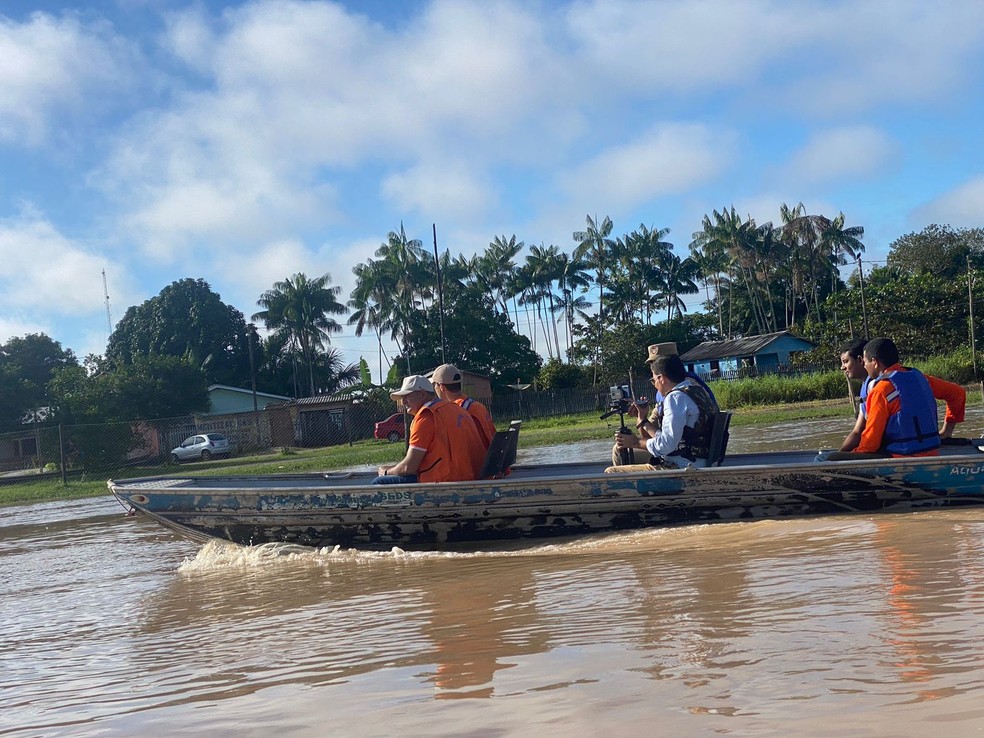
391 429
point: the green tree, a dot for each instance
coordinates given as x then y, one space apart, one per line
186 320
938 249
556 374
494 268
623 345
594 245
298 309
478 337
148 388
27 364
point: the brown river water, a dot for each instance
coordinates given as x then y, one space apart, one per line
828 626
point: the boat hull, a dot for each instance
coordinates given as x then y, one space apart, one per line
543 502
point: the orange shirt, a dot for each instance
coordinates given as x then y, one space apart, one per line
880 409
481 416
447 435
953 395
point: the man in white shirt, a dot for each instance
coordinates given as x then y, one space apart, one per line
680 433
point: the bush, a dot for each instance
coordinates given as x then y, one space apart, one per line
956 367
773 389
556 374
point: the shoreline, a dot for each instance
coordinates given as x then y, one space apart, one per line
536 433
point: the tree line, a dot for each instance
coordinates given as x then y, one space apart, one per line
588 309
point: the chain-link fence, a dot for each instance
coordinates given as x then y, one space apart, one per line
104 450
50 454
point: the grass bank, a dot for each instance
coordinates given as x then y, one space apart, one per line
535 433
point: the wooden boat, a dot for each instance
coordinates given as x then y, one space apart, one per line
545 501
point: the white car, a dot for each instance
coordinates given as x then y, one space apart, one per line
202 446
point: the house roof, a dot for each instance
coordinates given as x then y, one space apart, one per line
246 391
747 346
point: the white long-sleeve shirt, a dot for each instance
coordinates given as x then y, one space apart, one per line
679 411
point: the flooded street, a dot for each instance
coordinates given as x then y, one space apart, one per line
829 626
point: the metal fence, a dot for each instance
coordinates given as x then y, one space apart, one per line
108 449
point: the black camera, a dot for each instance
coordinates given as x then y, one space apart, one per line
619 401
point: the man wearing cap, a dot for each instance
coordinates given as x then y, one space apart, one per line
444 444
668 349
447 384
650 425
680 431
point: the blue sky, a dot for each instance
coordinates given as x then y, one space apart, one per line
244 142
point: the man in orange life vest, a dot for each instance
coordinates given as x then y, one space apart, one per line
447 384
852 364
444 444
901 413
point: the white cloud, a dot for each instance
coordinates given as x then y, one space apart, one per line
849 152
681 46
796 58
51 66
252 276
960 207
20 325
668 159
42 269
440 191
189 38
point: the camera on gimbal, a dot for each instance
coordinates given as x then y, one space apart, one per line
619 400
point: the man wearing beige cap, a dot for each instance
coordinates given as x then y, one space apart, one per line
650 426
444 444
447 384
680 432
668 349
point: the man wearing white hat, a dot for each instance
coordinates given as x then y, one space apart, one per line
444 444
447 384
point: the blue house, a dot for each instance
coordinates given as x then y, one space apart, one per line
745 356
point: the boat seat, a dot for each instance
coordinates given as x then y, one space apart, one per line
719 438
502 452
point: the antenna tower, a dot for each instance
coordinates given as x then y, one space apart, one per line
109 317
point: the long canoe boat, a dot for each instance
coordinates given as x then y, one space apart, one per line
544 501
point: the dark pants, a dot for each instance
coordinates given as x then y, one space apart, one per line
395 479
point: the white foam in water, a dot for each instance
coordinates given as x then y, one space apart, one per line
217 554
222 555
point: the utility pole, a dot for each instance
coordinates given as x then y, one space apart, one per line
440 295
864 311
250 329
973 336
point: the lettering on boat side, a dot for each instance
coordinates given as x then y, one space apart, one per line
962 471
535 492
399 499
386 498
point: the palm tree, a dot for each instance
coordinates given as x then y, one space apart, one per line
337 374
652 259
494 267
737 238
594 245
372 307
680 279
712 263
298 308
573 276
